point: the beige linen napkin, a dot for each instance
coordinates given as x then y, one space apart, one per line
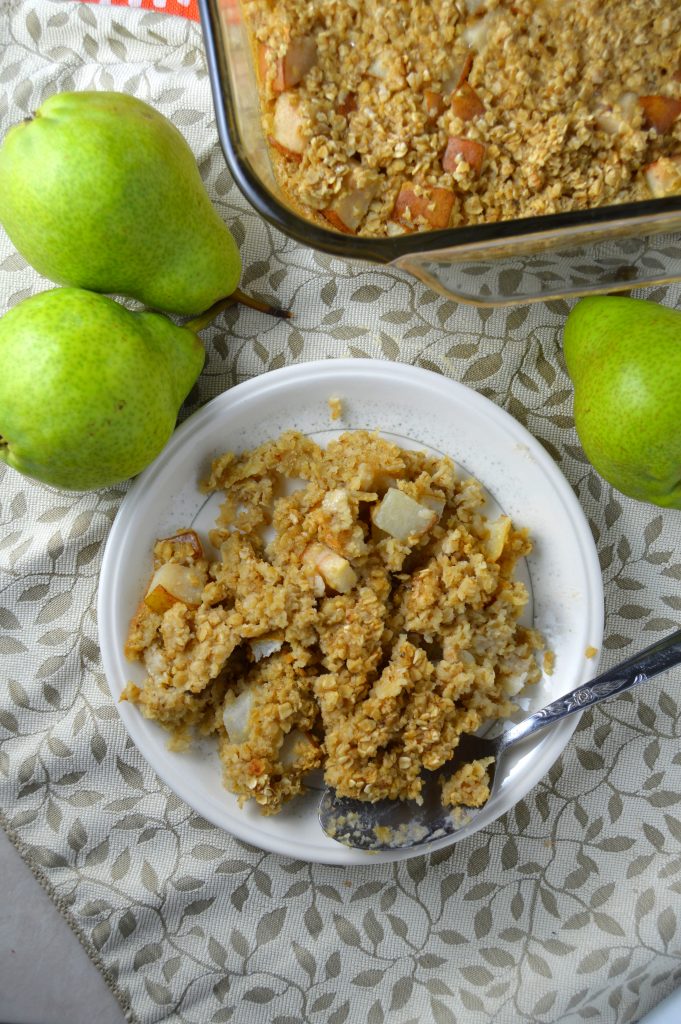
565 910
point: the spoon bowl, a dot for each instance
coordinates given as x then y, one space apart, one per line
393 824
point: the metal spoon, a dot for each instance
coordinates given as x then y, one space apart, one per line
398 824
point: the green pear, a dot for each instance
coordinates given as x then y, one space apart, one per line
89 391
624 358
98 190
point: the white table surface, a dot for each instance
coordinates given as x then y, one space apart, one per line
46 977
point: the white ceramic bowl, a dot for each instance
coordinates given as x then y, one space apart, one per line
418 409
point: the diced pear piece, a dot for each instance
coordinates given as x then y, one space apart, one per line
459 74
379 67
337 221
497 535
664 176
289 70
627 103
335 570
288 153
470 150
434 102
174 582
614 119
434 503
287 125
318 585
300 57
466 103
348 209
189 537
608 119
401 517
434 205
348 104
293 745
477 33
159 600
264 646
236 715
660 112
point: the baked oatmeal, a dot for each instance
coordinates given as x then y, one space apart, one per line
389 116
361 614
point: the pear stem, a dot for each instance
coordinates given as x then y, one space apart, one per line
259 304
205 319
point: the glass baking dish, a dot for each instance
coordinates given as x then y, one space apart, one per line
611 248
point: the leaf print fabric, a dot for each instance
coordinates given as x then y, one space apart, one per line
566 909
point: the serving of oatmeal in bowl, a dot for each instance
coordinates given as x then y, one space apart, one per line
334 595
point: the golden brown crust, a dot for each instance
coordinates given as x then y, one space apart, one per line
547 105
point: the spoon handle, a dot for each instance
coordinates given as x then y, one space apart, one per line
643 666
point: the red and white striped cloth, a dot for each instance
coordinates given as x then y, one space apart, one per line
185 8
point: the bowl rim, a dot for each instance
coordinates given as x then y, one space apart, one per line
659 214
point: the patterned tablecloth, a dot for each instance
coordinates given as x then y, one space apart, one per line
567 909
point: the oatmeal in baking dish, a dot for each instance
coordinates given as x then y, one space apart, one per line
360 615
389 116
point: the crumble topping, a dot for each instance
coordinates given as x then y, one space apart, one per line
388 116
359 623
